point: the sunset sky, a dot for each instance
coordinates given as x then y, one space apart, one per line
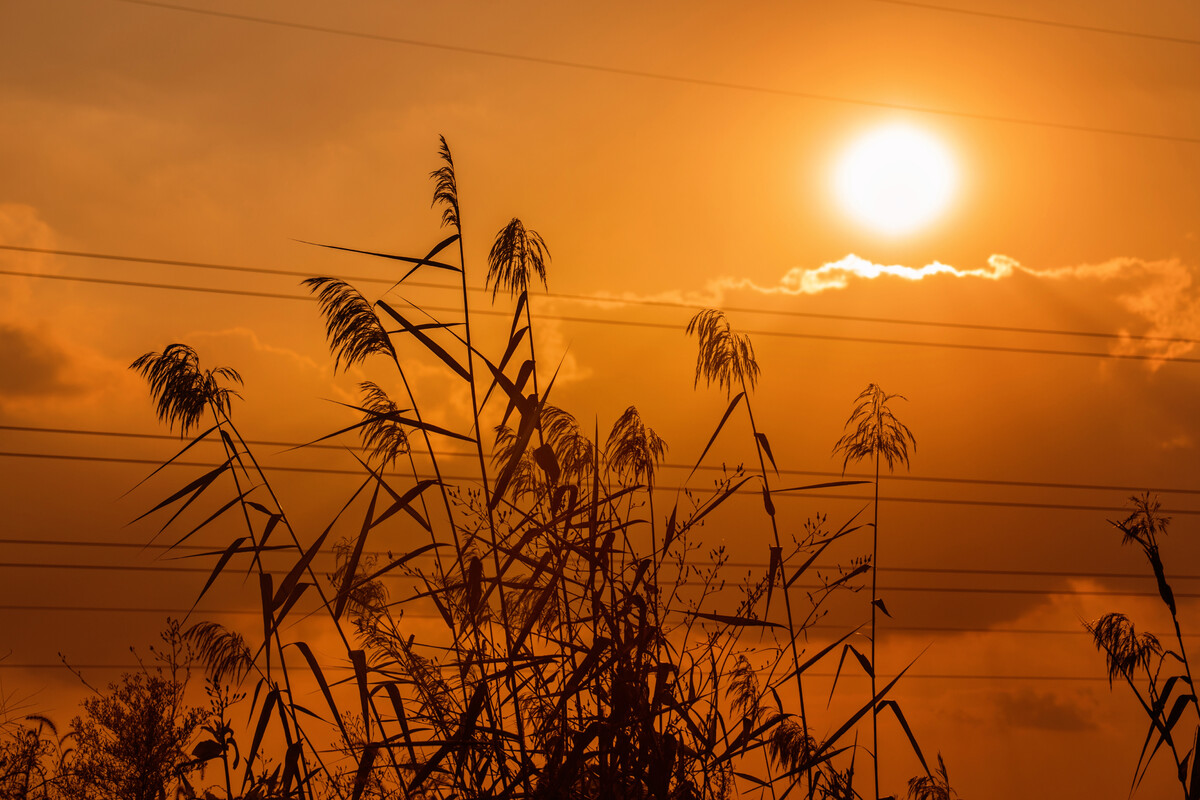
673 156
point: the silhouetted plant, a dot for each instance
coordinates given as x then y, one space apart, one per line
223 653
131 743
35 760
355 332
872 431
516 255
183 392
932 787
567 666
725 358
383 435
1160 678
633 449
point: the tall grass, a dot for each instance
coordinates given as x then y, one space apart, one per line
874 432
589 647
1159 677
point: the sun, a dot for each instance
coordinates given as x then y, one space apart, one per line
895 179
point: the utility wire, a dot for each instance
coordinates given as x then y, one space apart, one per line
788 493
907 675
813 586
665 465
667 77
617 301
637 324
891 629
215 549
1154 37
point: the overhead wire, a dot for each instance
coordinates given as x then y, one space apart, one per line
647 325
717 84
1003 590
606 300
667 77
792 493
664 465
214 549
1072 26
907 675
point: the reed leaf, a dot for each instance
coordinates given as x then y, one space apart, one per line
423 338
427 261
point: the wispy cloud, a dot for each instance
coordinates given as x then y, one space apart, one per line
840 274
1159 300
1164 295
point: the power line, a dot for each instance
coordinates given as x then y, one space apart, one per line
661 76
665 465
256 612
890 629
134 610
814 586
617 301
289 273
907 675
1046 22
919 479
638 324
660 488
215 549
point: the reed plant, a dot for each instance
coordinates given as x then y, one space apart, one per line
589 647
1159 677
873 432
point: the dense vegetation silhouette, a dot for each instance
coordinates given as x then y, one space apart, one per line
588 644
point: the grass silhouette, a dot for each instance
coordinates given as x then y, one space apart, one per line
587 645
872 431
1160 678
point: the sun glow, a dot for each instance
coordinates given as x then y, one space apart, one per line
895 179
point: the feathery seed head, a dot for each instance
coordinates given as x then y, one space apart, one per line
181 390
445 187
633 449
353 329
1124 648
516 253
383 436
873 430
725 358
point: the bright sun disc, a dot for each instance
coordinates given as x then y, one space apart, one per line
895 179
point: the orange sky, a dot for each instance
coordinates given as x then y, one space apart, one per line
143 131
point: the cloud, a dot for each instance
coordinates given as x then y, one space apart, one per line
1162 293
1179 442
1026 708
20 226
1161 298
31 365
839 275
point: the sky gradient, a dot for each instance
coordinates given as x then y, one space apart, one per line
673 156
